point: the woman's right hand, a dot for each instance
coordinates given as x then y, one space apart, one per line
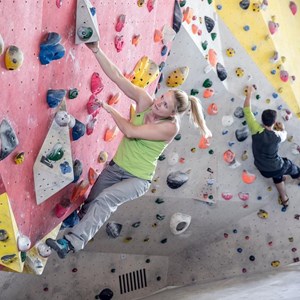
94 46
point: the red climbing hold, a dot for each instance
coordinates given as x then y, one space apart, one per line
96 83
59 3
293 7
93 106
62 207
119 42
79 190
92 175
273 27
150 5
120 23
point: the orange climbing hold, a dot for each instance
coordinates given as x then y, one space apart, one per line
79 190
114 99
212 57
158 36
204 143
92 175
248 177
135 39
212 109
110 134
194 29
188 15
207 93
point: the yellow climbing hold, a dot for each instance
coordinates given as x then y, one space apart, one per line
13 58
10 256
145 72
177 77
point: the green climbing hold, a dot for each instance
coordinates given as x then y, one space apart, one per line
204 45
210 197
159 201
23 256
160 217
207 83
136 224
194 92
56 153
177 137
73 93
257 97
213 36
209 1
182 3
84 33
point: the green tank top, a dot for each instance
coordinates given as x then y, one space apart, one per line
137 156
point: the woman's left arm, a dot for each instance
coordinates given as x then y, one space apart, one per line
163 131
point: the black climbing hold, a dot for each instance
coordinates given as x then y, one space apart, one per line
136 224
239 112
176 179
177 137
177 17
3 235
77 168
244 4
78 130
161 77
209 23
252 258
147 261
105 294
221 72
242 134
163 241
159 201
160 217
161 66
161 157
113 230
8 139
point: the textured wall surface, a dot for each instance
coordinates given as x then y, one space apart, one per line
226 238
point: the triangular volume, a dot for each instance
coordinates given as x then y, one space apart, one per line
53 168
10 256
37 256
86 23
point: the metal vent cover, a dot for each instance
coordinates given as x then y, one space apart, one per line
132 281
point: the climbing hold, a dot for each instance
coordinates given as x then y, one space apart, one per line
243 196
1 45
228 156
221 72
164 50
56 153
135 39
177 16
90 125
160 217
136 224
111 133
13 58
103 156
227 121
244 4
62 207
273 27
79 190
150 5
120 23
207 83
65 167
230 52
262 214
177 77
176 179
239 112
177 137
284 75
24 243
239 72
212 57
248 177
119 42
207 93
161 157
84 33
145 72
182 3
78 130
164 241
209 23
213 36
77 169
107 294
212 109
194 28
242 134
159 201
244 155
140 3
93 106
275 263
203 143
54 97
194 92
168 34
157 36
92 176
204 45
96 83
19 158
226 196
73 93
293 7
187 15
256 7
114 99
62 118
8 139
51 49
286 114
179 223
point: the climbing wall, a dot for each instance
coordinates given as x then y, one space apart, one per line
224 220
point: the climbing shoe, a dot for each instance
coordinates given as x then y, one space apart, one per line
61 246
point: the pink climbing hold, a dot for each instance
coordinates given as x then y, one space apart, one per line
150 5
273 27
293 7
227 196
59 3
119 42
120 23
96 83
90 125
93 106
243 196
284 75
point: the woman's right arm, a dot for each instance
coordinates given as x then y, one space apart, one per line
139 95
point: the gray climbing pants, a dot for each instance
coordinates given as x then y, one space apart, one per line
113 187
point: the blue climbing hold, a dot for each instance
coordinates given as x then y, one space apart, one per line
78 130
161 66
246 27
164 50
65 167
54 97
275 95
93 10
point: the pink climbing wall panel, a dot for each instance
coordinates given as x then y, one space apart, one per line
23 91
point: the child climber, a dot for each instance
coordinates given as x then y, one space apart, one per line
265 146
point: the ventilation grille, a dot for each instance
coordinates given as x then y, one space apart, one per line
133 281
